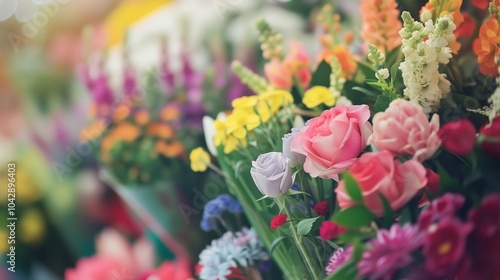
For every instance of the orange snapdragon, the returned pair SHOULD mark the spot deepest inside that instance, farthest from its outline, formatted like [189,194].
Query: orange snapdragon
[486,47]
[330,23]
[344,56]
[381,23]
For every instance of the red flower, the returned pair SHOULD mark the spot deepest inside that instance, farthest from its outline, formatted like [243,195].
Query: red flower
[486,218]
[445,245]
[330,230]
[491,144]
[467,28]
[484,241]
[459,137]
[481,4]
[321,208]
[278,221]
[432,182]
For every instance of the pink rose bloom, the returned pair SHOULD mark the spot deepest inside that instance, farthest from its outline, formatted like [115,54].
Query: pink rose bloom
[278,74]
[333,141]
[96,268]
[381,173]
[115,258]
[404,130]
[171,271]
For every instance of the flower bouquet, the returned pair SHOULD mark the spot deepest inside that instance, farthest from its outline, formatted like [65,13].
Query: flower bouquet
[371,166]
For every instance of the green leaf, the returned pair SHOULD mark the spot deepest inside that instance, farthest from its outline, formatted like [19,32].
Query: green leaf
[366,69]
[294,192]
[354,217]
[352,187]
[405,216]
[388,213]
[379,85]
[322,75]
[305,226]
[365,91]
[382,103]
[275,243]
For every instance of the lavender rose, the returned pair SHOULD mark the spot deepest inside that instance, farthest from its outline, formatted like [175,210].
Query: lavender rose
[271,174]
[293,158]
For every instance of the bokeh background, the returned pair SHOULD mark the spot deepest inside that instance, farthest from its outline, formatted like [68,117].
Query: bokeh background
[63,205]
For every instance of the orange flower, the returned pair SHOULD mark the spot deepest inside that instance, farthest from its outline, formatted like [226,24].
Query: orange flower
[344,56]
[120,113]
[486,47]
[107,143]
[172,149]
[142,117]
[161,130]
[170,113]
[126,132]
[381,23]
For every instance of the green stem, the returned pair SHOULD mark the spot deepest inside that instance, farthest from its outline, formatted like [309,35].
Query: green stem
[300,246]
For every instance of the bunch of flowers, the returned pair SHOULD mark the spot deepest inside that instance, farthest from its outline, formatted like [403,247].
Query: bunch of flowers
[142,135]
[373,159]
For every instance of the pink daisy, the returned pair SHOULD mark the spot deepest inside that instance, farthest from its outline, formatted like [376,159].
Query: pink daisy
[389,251]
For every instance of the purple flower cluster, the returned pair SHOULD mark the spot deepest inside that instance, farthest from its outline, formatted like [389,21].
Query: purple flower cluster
[216,207]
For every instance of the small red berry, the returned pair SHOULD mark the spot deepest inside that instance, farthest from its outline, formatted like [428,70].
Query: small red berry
[278,221]
[330,230]
[321,208]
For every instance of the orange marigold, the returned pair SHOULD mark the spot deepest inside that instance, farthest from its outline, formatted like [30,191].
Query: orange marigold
[161,130]
[381,23]
[344,56]
[486,47]
[120,113]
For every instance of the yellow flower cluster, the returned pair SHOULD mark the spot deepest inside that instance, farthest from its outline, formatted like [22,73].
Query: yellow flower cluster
[199,159]
[249,112]
[318,95]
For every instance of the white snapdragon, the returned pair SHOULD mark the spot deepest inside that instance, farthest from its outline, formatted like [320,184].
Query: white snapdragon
[424,84]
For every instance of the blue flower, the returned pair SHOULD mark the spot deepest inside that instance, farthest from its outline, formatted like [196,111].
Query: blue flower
[214,208]
[206,225]
[295,186]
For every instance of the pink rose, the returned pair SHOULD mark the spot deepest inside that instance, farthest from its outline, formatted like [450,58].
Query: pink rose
[333,141]
[96,268]
[381,173]
[404,130]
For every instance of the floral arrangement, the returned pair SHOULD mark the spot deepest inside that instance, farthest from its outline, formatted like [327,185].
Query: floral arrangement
[142,136]
[381,163]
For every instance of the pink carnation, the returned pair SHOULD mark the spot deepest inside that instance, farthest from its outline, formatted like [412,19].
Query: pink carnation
[404,130]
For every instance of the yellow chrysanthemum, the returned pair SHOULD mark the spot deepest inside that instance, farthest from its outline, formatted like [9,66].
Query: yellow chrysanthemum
[318,95]
[199,159]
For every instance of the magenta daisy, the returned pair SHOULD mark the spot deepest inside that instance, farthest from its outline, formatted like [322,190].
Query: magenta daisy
[389,251]
[339,257]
